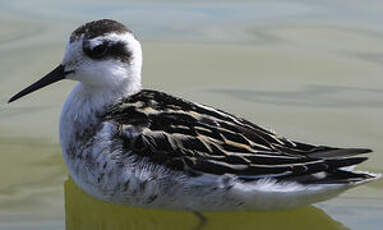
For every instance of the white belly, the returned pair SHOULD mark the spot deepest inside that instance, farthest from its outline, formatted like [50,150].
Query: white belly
[141,185]
[109,174]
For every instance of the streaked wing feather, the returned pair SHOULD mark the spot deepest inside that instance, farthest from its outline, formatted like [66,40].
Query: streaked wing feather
[187,136]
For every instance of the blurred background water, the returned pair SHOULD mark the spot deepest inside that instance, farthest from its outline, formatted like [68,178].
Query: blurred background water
[311,70]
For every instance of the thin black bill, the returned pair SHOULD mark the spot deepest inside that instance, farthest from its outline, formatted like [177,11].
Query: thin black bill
[55,75]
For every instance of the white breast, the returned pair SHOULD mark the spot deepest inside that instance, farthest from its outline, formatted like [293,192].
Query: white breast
[78,121]
[100,170]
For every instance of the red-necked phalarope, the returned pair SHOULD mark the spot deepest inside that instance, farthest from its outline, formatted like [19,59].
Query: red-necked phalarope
[146,148]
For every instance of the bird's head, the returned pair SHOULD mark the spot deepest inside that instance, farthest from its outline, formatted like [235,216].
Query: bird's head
[101,54]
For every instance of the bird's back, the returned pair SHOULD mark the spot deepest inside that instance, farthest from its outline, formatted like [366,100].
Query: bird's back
[152,149]
[194,138]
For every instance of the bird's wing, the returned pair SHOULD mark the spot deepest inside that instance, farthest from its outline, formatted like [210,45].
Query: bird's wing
[183,135]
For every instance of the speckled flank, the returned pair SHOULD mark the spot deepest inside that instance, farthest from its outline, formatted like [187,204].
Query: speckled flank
[138,152]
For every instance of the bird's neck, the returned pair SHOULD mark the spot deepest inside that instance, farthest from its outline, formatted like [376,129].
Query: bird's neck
[98,97]
[86,98]
[84,107]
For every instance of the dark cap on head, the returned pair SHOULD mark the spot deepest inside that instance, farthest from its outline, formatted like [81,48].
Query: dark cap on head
[98,28]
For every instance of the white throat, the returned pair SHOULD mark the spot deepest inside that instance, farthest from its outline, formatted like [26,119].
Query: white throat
[102,81]
[85,97]
[83,106]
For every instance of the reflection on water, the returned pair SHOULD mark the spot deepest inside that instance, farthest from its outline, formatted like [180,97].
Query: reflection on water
[84,212]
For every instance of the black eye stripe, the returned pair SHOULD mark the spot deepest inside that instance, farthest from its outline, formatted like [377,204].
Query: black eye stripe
[120,51]
[116,50]
[100,50]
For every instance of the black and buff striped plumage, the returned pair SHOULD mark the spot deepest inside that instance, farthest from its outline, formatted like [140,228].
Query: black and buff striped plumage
[183,135]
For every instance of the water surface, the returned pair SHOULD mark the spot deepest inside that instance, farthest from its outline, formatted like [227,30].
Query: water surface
[309,70]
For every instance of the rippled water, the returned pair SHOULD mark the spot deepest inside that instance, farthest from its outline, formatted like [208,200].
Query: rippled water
[309,70]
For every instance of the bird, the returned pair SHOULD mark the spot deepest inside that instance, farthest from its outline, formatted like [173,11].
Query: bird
[146,148]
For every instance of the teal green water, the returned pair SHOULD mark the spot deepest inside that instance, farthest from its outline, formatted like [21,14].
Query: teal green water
[309,70]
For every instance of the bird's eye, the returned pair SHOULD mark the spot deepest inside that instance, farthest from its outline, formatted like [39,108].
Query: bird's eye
[100,50]
[97,51]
